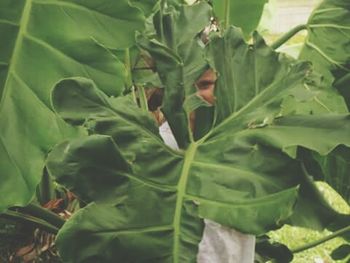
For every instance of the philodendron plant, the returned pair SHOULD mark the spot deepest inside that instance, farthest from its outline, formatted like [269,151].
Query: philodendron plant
[246,165]
[249,161]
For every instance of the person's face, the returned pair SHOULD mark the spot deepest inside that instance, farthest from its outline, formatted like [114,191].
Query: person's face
[205,86]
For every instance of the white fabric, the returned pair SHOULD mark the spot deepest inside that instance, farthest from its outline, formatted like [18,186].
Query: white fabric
[219,244]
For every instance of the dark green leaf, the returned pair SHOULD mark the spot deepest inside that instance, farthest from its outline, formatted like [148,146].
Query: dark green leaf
[42,42]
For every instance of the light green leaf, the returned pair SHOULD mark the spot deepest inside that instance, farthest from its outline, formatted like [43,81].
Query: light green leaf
[245,173]
[41,43]
[244,14]
[328,42]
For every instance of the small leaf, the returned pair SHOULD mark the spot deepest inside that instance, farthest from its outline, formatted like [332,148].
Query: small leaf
[269,250]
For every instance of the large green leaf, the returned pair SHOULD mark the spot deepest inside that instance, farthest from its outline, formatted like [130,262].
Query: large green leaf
[327,46]
[42,42]
[244,14]
[148,201]
[328,41]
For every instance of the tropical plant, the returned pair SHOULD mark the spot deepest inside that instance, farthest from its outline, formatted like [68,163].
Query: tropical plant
[250,163]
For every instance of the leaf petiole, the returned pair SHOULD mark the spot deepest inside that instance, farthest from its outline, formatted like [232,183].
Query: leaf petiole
[291,33]
[19,217]
[321,240]
[41,213]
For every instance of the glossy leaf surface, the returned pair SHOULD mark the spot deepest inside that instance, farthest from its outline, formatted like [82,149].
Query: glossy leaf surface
[42,42]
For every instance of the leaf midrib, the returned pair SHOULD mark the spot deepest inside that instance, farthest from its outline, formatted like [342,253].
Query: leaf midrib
[188,159]
[22,28]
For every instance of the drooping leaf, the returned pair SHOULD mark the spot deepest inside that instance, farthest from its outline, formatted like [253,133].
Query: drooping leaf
[243,174]
[42,42]
[244,14]
[328,41]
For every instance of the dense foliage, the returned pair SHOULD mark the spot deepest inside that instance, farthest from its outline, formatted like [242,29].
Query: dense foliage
[278,124]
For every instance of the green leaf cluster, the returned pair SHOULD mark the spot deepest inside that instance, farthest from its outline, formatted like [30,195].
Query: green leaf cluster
[250,163]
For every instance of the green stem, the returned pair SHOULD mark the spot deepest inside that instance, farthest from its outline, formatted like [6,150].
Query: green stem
[129,83]
[45,189]
[227,14]
[127,63]
[44,214]
[161,12]
[19,217]
[143,98]
[321,240]
[133,92]
[283,39]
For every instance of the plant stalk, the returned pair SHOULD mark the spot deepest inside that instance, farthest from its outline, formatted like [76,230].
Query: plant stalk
[16,216]
[321,240]
[143,98]
[127,62]
[43,214]
[283,39]
[162,8]
[45,189]
[227,14]
[129,83]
